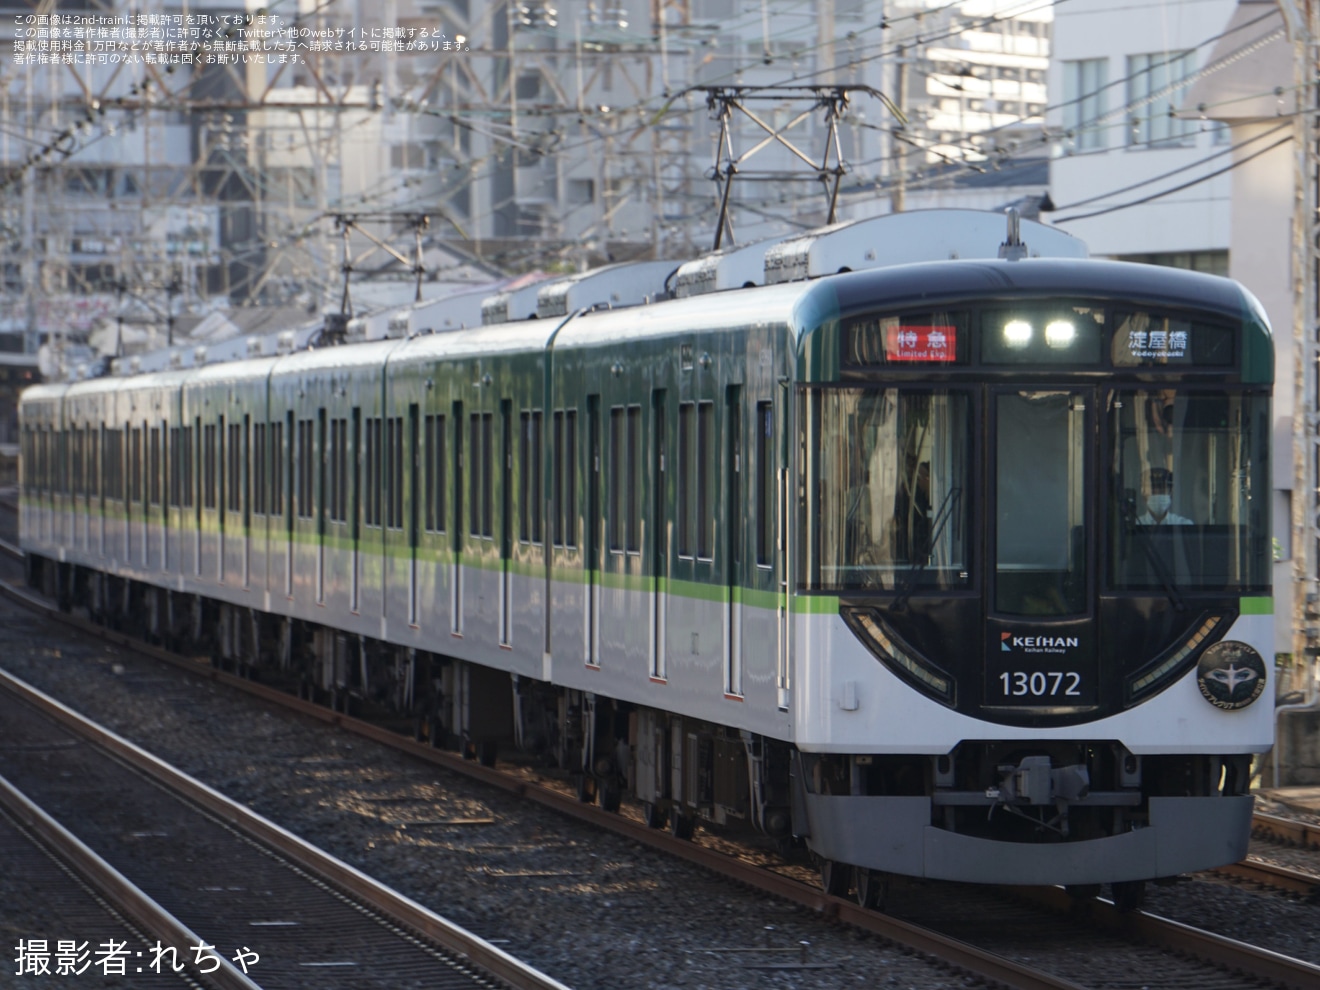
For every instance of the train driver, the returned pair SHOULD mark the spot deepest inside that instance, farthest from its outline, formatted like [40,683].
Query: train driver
[1159,500]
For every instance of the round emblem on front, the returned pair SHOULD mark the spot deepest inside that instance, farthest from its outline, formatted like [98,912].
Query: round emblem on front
[1231,675]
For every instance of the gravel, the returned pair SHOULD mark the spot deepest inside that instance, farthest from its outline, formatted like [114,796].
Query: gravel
[590,908]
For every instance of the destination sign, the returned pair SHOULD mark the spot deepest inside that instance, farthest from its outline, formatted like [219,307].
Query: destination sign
[921,343]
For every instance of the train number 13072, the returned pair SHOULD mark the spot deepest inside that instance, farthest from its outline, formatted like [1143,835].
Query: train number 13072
[1041,683]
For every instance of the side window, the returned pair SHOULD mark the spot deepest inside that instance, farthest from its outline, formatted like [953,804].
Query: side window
[305,462]
[433,455]
[614,480]
[257,470]
[176,491]
[481,475]
[632,490]
[458,475]
[208,466]
[93,462]
[235,467]
[705,480]
[530,484]
[154,466]
[564,457]
[687,424]
[765,484]
[396,475]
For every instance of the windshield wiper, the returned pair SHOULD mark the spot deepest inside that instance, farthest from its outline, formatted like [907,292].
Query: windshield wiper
[1130,523]
[914,570]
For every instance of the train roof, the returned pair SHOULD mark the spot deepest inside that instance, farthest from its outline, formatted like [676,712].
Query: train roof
[495,339]
[339,358]
[777,305]
[904,286]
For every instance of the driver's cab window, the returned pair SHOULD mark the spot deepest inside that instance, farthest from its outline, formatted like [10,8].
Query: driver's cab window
[1190,489]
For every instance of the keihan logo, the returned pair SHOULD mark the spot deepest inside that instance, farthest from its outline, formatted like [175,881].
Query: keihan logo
[1010,643]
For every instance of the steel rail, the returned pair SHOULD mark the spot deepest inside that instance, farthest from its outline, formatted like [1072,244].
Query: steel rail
[1269,875]
[985,965]
[395,905]
[126,897]
[1278,829]
[1218,950]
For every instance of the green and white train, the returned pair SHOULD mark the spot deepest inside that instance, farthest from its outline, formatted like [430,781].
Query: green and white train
[958,568]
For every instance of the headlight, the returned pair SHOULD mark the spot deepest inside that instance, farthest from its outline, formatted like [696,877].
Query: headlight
[1017,334]
[1060,334]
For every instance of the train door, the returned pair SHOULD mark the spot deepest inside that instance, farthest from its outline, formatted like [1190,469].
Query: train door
[659,533]
[759,593]
[321,493]
[593,527]
[221,498]
[285,453]
[234,523]
[734,516]
[245,466]
[155,514]
[414,500]
[506,521]
[133,542]
[355,579]
[456,573]
[783,561]
[1040,645]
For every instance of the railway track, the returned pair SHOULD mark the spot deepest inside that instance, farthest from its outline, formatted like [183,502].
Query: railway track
[41,895]
[1263,967]
[250,904]
[1280,878]
[1304,835]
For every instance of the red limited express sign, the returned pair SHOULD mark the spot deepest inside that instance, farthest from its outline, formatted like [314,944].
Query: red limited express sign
[913,343]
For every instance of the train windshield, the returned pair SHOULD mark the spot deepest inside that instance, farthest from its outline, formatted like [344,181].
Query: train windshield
[887,506]
[1191,492]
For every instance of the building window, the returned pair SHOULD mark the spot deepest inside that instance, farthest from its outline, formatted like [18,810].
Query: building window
[1084,103]
[1157,85]
[1210,262]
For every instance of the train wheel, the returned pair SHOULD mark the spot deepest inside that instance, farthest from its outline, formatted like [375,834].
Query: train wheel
[871,888]
[653,815]
[486,753]
[611,797]
[681,826]
[586,788]
[835,877]
[1129,895]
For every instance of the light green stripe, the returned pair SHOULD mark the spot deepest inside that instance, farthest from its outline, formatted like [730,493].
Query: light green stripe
[1256,606]
[815,604]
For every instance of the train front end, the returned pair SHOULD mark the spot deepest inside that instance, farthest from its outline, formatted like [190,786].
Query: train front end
[1033,627]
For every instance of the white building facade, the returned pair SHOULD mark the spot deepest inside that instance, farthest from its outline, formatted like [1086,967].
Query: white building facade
[1172,147]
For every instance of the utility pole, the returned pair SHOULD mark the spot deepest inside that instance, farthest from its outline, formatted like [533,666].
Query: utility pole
[1303,20]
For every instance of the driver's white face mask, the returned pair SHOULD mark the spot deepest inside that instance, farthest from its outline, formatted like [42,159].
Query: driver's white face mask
[1159,504]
